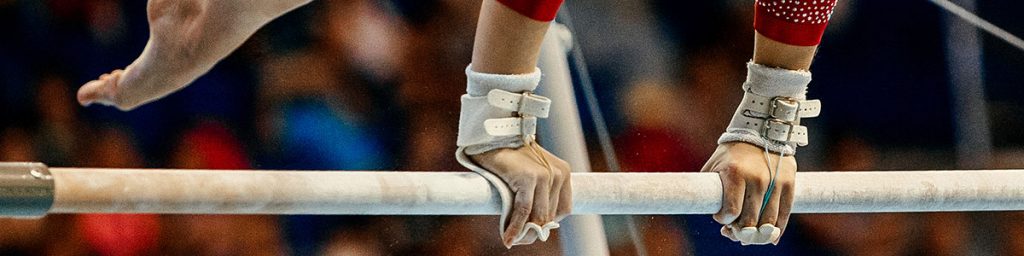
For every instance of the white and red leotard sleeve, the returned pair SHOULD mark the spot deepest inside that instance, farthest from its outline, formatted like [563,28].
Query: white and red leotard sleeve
[794,22]
[540,10]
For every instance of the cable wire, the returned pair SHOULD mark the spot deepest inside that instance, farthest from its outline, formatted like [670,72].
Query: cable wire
[978,22]
[600,126]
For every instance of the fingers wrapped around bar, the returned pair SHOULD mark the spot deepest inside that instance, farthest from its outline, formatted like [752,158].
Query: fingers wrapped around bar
[497,128]
[745,214]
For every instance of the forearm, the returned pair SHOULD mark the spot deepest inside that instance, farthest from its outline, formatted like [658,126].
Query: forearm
[787,33]
[498,120]
[506,42]
[773,53]
[769,116]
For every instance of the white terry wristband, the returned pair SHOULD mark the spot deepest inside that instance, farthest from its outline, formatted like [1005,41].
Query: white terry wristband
[774,101]
[499,111]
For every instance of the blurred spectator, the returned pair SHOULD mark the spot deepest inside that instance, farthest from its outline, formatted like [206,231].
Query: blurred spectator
[1005,238]
[320,111]
[886,233]
[433,72]
[210,145]
[59,124]
[654,140]
[847,234]
[19,236]
[117,234]
[317,109]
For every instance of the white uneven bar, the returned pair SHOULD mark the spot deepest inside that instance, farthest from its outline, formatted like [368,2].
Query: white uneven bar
[89,190]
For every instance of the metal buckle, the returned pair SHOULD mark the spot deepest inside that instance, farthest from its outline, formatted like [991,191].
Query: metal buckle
[522,100]
[775,106]
[767,126]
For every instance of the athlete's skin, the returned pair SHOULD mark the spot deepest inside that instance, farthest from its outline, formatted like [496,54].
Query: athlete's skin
[188,37]
[742,166]
[509,43]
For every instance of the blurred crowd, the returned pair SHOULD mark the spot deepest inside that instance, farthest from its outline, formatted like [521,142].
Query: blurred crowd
[373,85]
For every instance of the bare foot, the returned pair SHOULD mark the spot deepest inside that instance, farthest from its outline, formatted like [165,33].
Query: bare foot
[186,39]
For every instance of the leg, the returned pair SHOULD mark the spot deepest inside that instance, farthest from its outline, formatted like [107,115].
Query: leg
[187,38]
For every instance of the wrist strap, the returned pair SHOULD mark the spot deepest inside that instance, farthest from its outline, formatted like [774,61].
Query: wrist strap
[499,115]
[775,118]
[500,111]
[773,105]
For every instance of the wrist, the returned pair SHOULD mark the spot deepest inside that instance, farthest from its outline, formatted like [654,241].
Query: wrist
[500,111]
[772,107]
[756,140]
[511,142]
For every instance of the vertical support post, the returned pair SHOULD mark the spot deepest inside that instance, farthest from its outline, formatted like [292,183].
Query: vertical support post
[563,135]
[970,113]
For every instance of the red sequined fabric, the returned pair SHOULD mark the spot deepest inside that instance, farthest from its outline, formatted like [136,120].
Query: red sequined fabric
[794,22]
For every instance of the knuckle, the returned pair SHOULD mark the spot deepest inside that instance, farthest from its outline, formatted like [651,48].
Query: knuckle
[523,202]
[731,210]
[542,175]
[520,184]
[522,209]
[557,177]
[786,185]
[566,176]
[731,168]
[545,218]
[762,182]
[757,182]
[531,175]
[562,164]
[749,219]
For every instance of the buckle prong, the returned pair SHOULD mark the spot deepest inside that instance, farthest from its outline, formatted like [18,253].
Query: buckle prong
[768,126]
[775,107]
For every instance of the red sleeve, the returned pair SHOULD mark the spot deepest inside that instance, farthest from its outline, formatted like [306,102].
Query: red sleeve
[794,22]
[540,10]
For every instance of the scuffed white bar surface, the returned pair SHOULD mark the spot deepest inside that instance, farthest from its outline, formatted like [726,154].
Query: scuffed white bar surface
[88,190]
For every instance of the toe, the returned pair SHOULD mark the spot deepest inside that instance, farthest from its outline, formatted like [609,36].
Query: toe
[91,92]
[100,90]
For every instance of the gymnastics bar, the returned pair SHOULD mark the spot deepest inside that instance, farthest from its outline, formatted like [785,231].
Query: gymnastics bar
[24,192]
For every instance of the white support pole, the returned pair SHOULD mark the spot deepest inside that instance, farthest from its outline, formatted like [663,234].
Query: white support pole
[563,135]
[95,190]
[970,111]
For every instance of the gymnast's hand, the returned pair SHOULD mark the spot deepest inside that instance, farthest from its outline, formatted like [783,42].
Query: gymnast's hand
[745,180]
[543,195]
